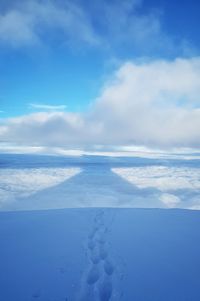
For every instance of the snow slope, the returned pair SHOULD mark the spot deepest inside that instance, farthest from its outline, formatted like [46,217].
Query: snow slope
[100,255]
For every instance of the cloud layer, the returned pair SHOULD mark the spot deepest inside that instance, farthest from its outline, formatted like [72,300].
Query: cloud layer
[16,183]
[142,186]
[153,103]
[178,186]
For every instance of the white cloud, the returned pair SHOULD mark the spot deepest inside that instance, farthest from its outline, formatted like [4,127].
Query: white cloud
[44,129]
[26,189]
[18,183]
[3,130]
[162,178]
[155,104]
[177,187]
[195,207]
[170,200]
[46,107]
[17,28]
[123,22]
[26,22]
[109,24]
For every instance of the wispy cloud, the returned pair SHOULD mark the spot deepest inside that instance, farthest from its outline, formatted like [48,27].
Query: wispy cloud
[46,107]
[26,23]
[107,24]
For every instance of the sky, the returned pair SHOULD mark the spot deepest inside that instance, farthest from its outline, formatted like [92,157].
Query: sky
[100,74]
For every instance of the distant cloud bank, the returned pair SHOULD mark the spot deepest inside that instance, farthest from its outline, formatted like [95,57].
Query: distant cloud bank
[155,104]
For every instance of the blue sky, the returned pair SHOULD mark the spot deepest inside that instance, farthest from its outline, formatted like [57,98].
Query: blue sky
[58,78]
[60,56]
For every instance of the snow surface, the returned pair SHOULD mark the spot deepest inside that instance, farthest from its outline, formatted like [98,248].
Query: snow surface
[100,255]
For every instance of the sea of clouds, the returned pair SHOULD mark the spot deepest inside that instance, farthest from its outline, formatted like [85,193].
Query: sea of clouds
[100,182]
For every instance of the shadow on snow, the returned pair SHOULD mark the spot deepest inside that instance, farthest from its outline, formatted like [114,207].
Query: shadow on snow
[92,187]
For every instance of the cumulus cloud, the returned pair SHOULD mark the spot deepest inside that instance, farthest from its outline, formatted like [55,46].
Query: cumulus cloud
[155,104]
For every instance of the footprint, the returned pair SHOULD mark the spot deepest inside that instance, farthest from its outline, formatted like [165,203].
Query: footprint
[36,295]
[101,238]
[97,283]
[100,213]
[102,253]
[92,234]
[91,244]
[99,222]
[62,270]
[105,290]
[93,275]
[108,268]
[95,257]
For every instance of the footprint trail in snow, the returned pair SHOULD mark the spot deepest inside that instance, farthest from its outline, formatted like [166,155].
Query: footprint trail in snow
[99,282]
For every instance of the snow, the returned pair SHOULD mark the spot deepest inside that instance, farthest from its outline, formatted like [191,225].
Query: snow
[100,255]
[90,251]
